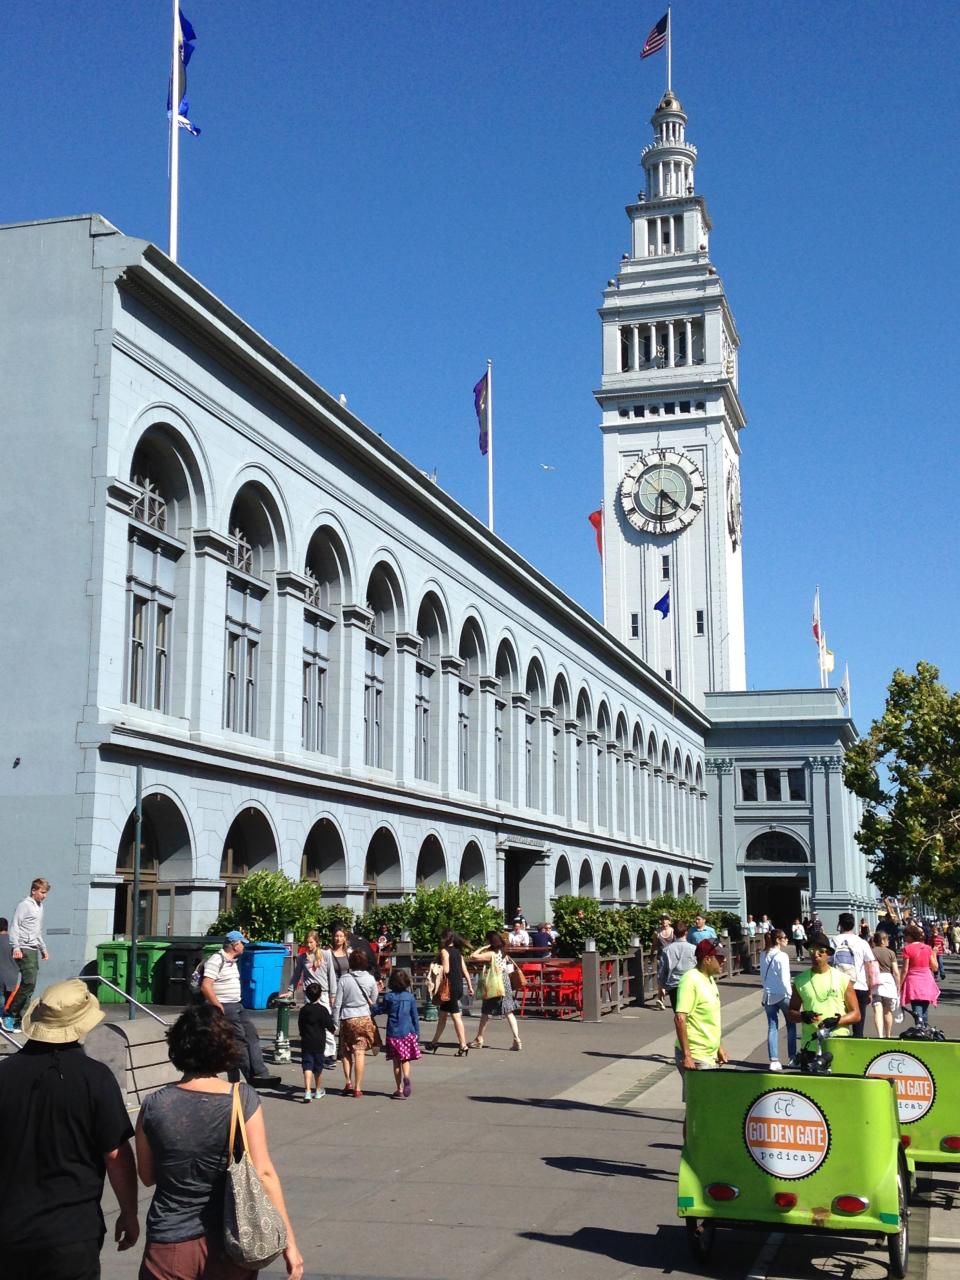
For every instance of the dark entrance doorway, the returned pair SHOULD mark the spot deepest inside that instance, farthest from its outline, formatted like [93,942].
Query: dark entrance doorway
[776,896]
[524,883]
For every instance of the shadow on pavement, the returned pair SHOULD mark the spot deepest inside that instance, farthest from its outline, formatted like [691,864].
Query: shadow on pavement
[554,1104]
[608,1168]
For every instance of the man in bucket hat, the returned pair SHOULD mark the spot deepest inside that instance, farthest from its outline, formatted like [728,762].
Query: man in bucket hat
[65,1126]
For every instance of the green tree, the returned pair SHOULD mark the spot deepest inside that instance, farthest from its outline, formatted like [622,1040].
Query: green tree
[907,771]
[462,907]
[267,904]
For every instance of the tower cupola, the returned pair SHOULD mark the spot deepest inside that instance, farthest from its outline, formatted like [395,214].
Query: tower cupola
[669,160]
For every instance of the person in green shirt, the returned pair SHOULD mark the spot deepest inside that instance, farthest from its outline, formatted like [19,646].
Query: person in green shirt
[699,1046]
[822,991]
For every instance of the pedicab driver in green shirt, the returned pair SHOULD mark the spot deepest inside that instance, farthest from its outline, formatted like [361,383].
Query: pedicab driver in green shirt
[697,1013]
[821,992]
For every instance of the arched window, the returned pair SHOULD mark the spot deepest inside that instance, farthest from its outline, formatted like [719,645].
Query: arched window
[606,883]
[582,789]
[468,707]
[432,630]
[585,884]
[327,573]
[624,885]
[619,775]
[431,864]
[637,782]
[558,755]
[472,870]
[561,879]
[161,517]
[775,846]
[507,673]
[383,601]
[255,530]
[666,805]
[382,872]
[641,886]
[533,739]
[602,767]
[652,807]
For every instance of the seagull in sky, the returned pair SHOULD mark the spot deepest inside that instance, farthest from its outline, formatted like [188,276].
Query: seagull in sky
[545,466]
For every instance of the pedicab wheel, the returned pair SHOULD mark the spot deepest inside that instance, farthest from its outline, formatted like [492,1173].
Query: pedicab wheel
[700,1234]
[898,1246]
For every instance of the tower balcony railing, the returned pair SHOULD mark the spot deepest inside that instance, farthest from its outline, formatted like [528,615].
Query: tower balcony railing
[660,145]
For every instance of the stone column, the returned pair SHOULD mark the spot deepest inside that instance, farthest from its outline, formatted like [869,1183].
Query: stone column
[592,814]
[688,327]
[449,709]
[570,767]
[210,554]
[670,345]
[488,692]
[682,840]
[543,725]
[659,828]
[634,347]
[517,711]
[288,663]
[357,622]
[641,813]
[629,796]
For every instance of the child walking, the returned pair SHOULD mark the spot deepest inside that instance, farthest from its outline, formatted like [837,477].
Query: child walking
[315,1021]
[403,1029]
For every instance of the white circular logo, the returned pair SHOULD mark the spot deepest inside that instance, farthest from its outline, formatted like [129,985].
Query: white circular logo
[787,1134]
[916,1090]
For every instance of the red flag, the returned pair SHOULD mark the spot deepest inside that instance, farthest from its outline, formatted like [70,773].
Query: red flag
[596,519]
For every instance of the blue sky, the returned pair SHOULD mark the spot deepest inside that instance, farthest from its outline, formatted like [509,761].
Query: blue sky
[392,193]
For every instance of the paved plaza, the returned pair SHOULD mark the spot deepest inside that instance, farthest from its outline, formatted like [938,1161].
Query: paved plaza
[559,1161]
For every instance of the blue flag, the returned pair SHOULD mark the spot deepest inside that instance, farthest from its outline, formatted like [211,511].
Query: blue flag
[663,604]
[188,38]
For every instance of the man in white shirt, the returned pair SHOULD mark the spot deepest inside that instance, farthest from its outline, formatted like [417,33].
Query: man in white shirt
[519,937]
[27,945]
[851,955]
[221,988]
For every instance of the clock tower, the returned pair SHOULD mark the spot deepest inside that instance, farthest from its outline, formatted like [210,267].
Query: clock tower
[673,578]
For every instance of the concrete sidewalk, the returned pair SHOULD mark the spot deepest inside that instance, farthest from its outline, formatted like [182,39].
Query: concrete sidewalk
[560,1160]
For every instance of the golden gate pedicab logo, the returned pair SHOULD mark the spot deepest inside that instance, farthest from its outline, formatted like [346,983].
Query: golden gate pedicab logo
[916,1090]
[787,1134]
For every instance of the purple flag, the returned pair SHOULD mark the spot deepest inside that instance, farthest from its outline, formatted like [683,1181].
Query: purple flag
[480,402]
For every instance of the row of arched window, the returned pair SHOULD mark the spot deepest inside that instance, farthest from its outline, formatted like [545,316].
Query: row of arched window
[438,706]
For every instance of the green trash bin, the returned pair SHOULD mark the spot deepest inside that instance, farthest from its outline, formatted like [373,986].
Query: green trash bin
[113,959]
[149,973]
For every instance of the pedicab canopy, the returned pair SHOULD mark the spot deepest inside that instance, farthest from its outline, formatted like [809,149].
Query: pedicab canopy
[926,1075]
[812,1152]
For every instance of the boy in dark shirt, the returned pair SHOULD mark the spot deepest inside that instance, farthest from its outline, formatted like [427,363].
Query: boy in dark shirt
[315,1021]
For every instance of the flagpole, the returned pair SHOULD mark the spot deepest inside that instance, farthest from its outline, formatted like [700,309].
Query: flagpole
[820,642]
[669,49]
[174,131]
[490,445]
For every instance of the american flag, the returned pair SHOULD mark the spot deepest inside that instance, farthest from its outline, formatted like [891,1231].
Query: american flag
[657,38]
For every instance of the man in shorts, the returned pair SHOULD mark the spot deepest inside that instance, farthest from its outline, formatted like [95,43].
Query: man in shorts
[699,1046]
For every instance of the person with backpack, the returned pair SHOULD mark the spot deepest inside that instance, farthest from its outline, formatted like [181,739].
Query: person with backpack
[851,955]
[220,986]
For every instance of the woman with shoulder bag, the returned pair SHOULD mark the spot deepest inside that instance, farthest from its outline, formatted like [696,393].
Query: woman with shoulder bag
[182,1150]
[356,995]
[315,966]
[498,1001]
[455,978]
[775,976]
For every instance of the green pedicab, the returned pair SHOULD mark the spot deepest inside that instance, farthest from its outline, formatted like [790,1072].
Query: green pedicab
[793,1152]
[925,1075]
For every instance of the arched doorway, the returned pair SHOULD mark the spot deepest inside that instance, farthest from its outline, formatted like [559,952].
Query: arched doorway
[641,886]
[585,885]
[166,858]
[324,859]
[561,880]
[249,847]
[606,883]
[431,864]
[777,874]
[382,872]
[472,870]
[625,895]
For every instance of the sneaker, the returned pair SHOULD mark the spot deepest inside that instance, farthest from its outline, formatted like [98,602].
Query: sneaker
[407,1088]
[775,1064]
[7,1022]
[307,1096]
[319,1093]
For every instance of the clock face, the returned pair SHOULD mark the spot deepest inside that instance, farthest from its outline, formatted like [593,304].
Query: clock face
[662,492]
[734,509]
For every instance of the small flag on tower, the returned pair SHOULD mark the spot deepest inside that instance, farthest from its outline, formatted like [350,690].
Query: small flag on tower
[481,401]
[188,39]
[663,604]
[657,37]
[596,519]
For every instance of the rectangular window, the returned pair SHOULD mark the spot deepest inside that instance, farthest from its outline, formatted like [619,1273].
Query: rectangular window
[797,782]
[638,410]
[669,407]
[498,778]
[161,634]
[250,686]
[748,784]
[668,675]
[314,695]
[771,784]
[634,626]
[625,340]
[684,406]
[232,680]
[701,623]
[138,607]
[463,737]
[665,568]
[421,744]
[528,760]
[373,709]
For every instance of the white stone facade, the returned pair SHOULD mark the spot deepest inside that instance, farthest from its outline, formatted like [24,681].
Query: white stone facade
[319,661]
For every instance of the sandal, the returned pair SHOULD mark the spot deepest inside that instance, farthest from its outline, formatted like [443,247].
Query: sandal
[347,1091]
[463,1051]
[398,1093]
[430,1047]
[477,1043]
[516,1046]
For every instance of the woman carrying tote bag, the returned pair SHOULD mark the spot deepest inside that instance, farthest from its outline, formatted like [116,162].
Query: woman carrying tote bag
[498,1001]
[182,1139]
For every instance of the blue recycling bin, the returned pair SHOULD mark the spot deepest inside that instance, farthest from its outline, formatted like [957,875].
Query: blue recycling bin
[261,972]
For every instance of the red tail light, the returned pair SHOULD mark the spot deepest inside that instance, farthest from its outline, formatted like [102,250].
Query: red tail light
[950,1144]
[785,1200]
[905,1139]
[850,1204]
[722,1191]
